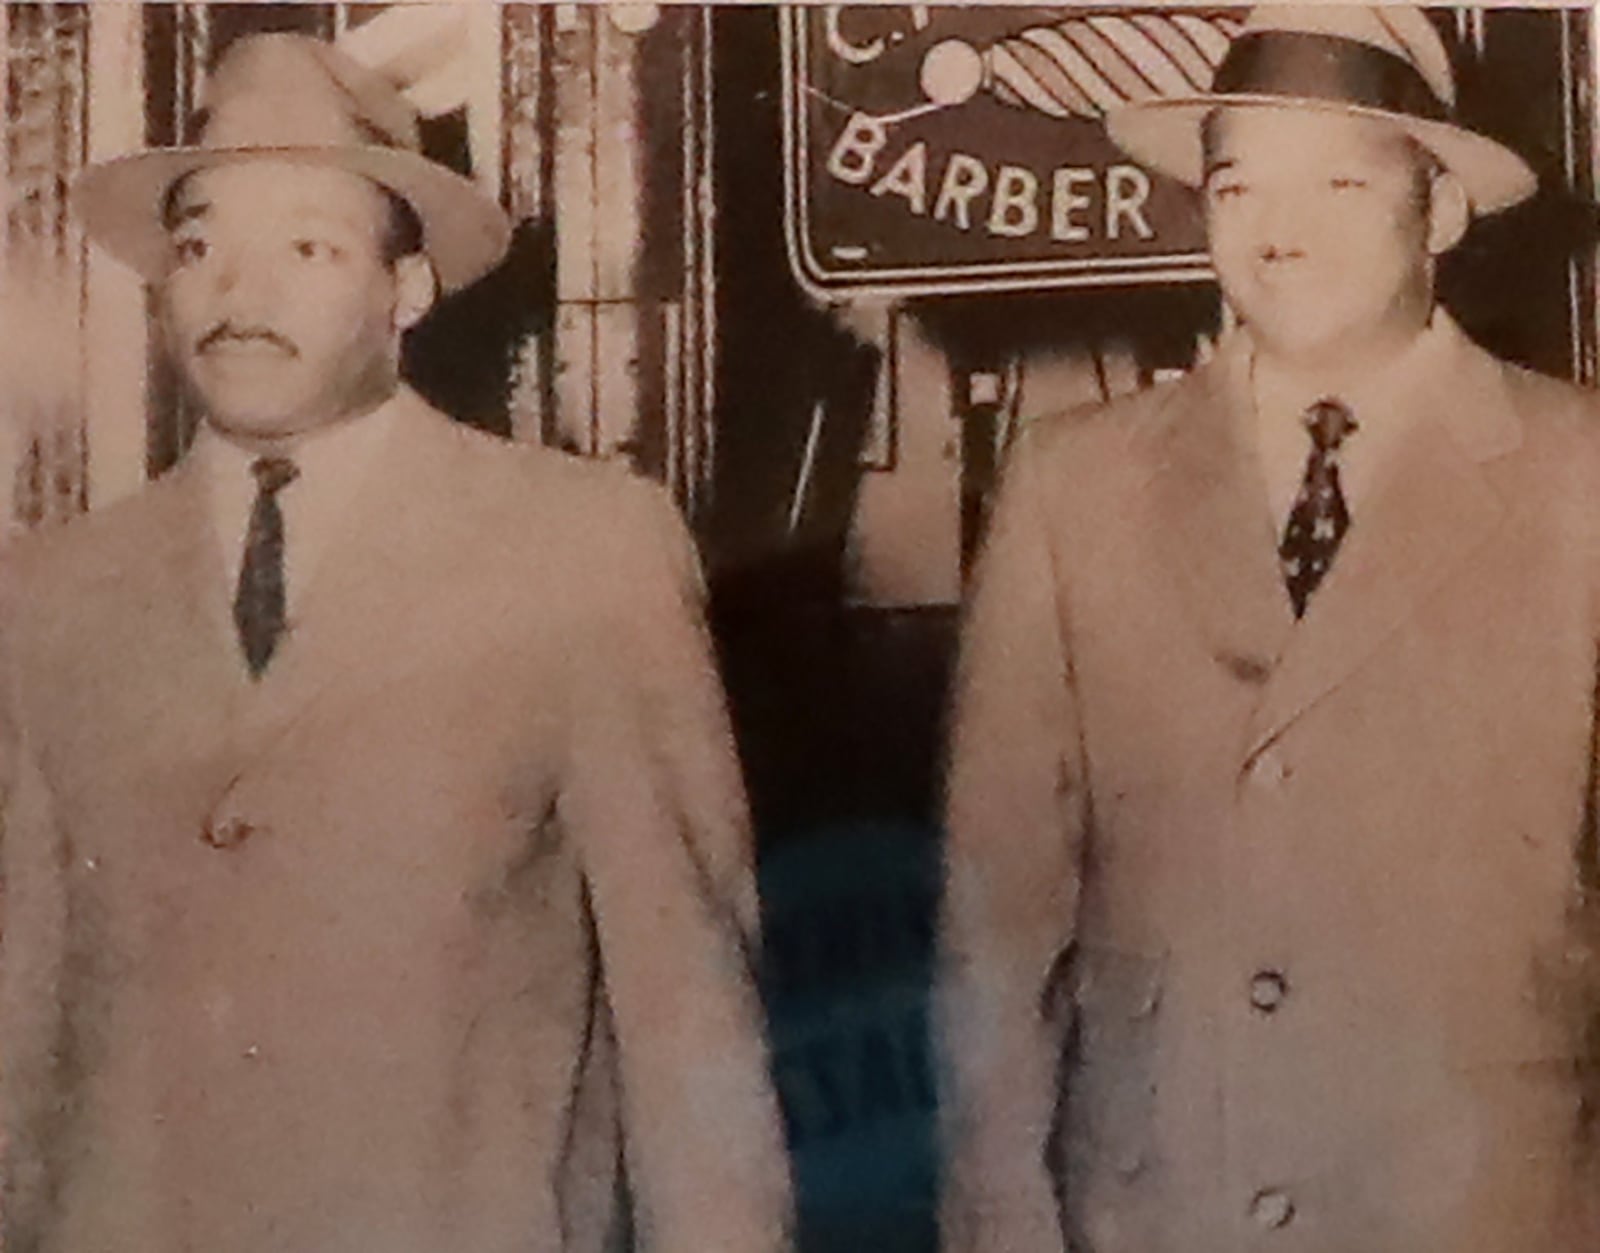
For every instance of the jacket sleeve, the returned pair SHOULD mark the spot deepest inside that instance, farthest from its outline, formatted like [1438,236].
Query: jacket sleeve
[654,801]
[32,933]
[1016,817]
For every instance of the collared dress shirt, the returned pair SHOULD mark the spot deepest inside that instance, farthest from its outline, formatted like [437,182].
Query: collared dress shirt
[333,464]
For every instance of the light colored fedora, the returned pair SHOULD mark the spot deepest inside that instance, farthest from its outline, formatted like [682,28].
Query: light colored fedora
[1382,61]
[287,97]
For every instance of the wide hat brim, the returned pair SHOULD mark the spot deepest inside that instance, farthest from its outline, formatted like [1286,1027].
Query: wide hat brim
[122,201]
[1165,135]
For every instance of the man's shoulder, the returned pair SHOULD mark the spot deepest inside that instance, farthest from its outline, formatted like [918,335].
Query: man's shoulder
[597,516]
[1559,421]
[1124,431]
[565,488]
[1549,461]
[1555,402]
[99,548]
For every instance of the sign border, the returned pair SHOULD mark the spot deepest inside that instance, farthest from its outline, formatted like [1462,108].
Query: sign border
[906,281]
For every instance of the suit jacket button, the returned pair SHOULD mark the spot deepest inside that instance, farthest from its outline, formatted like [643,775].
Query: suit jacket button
[228,832]
[1271,1209]
[1268,990]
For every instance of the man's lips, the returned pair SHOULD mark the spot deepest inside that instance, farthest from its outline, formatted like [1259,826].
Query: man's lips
[247,342]
[1286,271]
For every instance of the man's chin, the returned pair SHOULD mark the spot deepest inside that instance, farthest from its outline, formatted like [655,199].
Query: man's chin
[252,425]
[1293,338]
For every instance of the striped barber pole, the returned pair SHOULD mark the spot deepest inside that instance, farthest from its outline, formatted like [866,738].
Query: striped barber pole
[1084,67]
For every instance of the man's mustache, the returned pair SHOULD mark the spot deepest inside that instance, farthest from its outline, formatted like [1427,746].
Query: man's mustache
[229,332]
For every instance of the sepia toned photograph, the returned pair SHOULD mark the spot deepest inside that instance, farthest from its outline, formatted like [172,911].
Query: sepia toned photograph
[735,628]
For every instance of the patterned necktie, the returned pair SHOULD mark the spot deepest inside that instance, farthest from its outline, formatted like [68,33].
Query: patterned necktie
[259,606]
[1319,519]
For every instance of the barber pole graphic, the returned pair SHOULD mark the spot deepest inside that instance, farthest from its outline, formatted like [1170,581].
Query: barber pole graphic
[1084,67]
[966,150]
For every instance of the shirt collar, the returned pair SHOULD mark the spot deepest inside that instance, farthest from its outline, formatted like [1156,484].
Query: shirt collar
[1374,397]
[331,450]
[333,465]
[1383,402]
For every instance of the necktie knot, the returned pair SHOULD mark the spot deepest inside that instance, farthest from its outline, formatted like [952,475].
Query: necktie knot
[1330,423]
[273,474]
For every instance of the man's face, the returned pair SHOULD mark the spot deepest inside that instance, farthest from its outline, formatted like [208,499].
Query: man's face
[1322,231]
[279,304]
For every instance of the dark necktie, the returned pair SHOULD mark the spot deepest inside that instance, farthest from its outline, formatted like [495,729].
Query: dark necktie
[1319,518]
[260,605]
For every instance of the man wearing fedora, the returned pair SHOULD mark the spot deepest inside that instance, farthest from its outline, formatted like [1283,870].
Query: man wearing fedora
[1271,861]
[376,873]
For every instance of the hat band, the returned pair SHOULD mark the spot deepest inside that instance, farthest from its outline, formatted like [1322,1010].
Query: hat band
[1301,65]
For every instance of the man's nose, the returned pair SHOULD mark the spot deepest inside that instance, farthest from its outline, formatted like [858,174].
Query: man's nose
[1278,229]
[243,282]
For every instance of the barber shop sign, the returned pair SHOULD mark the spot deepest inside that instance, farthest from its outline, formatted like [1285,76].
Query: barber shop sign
[933,149]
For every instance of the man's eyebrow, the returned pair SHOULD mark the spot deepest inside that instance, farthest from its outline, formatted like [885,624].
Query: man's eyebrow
[1221,163]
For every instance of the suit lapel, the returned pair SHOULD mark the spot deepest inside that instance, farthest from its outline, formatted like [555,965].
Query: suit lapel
[184,609]
[152,632]
[1432,509]
[1212,522]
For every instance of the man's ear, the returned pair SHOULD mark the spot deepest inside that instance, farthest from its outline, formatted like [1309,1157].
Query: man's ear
[416,289]
[1449,213]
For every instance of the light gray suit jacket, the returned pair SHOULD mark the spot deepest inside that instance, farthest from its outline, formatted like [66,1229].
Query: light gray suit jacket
[1162,787]
[486,950]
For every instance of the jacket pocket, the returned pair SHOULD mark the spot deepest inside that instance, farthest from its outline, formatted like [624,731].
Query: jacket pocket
[1105,1148]
[1109,1075]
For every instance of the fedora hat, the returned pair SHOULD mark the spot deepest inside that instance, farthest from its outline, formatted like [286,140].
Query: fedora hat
[292,98]
[1381,61]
